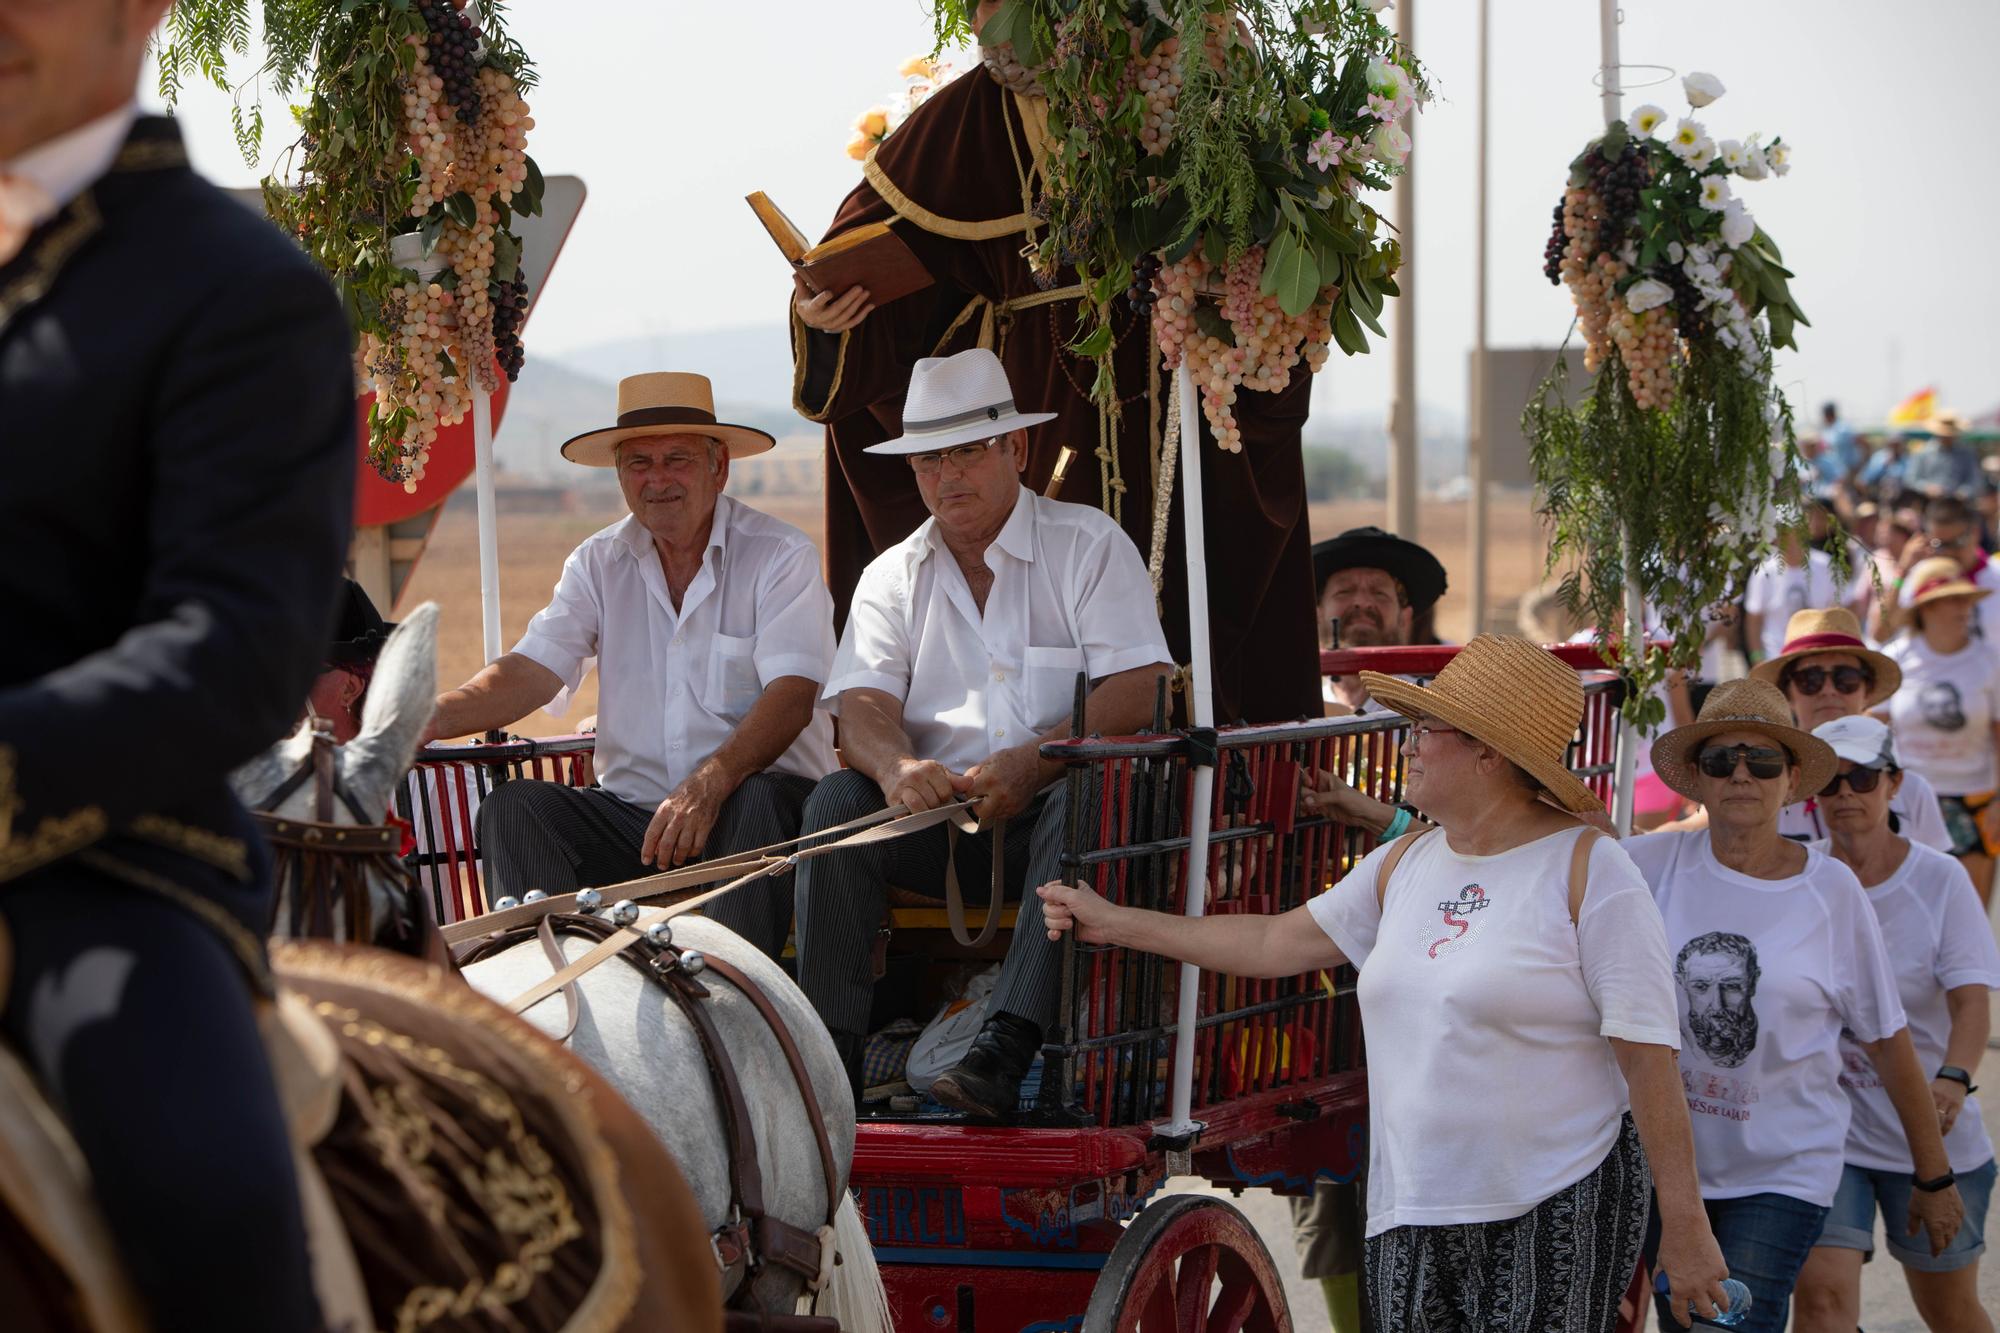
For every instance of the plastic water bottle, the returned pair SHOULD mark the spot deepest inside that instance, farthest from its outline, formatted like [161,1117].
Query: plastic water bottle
[1739,1303]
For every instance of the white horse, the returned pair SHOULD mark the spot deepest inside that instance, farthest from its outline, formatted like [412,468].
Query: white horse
[627,1028]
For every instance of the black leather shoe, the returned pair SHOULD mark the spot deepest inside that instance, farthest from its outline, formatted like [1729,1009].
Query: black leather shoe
[987,1082]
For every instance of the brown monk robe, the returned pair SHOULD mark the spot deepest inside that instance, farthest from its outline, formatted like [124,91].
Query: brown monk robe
[959,177]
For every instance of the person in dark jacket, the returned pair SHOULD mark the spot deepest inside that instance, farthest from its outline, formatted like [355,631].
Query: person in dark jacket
[177,442]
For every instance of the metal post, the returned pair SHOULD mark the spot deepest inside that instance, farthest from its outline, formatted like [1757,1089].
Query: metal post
[1476,443]
[1622,796]
[489,521]
[1201,710]
[1403,408]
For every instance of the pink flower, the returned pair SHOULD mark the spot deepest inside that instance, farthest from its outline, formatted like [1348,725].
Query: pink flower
[1325,151]
[1382,108]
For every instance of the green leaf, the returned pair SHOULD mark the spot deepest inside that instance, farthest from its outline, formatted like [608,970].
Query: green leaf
[506,255]
[1094,344]
[460,209]
[1616,136]
[533,187]
[1210,321]
[1347,330]
[1298,278]
[1781,327]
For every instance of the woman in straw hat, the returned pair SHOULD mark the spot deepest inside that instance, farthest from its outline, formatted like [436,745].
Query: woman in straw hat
[1947,715]
[1775,951]
[1513,962]
[1946,967]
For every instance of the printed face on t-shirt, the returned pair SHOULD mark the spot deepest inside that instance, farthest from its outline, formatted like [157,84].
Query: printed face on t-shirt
[1718,974]
[1942,707]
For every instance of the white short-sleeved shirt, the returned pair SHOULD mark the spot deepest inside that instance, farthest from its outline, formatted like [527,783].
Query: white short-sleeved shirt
[1493,1087]
[1767,973]
[674,685]
[1938,938]
[1915,807]
[1943,715]
[1777,590]
[1069,594]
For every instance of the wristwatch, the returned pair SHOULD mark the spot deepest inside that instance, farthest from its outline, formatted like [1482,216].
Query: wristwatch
[1943,1182]
[1956,1075]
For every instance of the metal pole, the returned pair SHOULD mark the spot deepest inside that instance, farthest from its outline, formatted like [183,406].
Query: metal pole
[1476,442]
[489,521]
[1201,710]
[1403,408]
[1622,796]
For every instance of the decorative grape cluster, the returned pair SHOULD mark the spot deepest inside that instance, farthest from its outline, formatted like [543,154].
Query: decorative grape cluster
[1158,79]
[1263,343]
[453,52]
[1646,341]
[510,307]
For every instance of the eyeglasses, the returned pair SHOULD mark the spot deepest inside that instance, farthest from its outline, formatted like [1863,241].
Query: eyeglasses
[961,458]
[1719,761]
[1424,730]
[1846,679]
[1861,779]
[1950,543]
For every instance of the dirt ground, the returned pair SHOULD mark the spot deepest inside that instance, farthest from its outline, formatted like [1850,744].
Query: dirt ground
[533,546]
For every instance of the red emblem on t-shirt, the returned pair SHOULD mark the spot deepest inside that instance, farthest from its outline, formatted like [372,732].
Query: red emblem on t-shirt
[1456,913]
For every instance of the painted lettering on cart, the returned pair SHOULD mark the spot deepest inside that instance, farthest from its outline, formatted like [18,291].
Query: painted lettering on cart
[900,1214]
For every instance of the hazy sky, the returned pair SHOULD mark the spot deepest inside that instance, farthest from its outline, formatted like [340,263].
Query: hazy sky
[671,112]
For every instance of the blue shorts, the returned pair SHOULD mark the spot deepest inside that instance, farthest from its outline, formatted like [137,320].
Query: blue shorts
[1850,1225]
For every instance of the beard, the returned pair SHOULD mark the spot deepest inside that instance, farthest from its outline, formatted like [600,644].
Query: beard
[1007,70]
[1363,628]
[1724,1036]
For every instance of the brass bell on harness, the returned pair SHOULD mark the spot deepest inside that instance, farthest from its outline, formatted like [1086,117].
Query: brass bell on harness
[624,912]
[660,934]
[588,901]
[534,895]
[505,902]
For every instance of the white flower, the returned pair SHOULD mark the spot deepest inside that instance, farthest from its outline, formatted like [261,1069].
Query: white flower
[1779,156]
[1698,254]
[1737,224]
[1390,144]
[1628,254]
[1702,88]
[1644,120]
[1734,155]
[1388,79]
[1715,193]
[1686,135]
[1676,251]
[1646,293]
[1377,6]
[1703,153]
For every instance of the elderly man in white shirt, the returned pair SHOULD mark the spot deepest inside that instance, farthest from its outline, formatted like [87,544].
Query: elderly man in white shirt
[960,657]
[712,631]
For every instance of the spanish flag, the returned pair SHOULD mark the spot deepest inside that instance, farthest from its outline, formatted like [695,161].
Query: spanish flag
[1918,408]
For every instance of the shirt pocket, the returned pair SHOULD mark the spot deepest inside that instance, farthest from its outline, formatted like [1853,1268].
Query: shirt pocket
[1051,683]
[732,675]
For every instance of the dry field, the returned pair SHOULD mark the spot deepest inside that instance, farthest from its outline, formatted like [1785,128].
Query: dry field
[533,546]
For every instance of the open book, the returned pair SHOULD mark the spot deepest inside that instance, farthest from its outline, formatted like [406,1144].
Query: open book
[870,256]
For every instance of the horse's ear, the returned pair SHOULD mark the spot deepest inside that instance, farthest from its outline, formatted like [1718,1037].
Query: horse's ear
[402,695]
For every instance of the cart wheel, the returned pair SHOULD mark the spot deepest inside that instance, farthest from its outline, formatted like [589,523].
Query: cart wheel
[1188,1264]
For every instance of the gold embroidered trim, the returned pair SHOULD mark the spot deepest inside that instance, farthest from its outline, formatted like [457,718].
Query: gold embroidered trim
[219,850]
[911,211]
[616,1286]
[151,155]
[800,335]
[55,836]
[249,950]
[49,254]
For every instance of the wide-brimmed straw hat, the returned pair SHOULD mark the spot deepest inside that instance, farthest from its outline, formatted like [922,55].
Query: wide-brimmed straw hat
[664,402]
[1934,579]
[956,400]
[1945,426]
[1504,691]
[1409,564]
[1833,630]
[1749,705]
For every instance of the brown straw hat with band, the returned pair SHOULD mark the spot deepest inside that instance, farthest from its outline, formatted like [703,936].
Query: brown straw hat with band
[1507,693]
[1748,705]
[1936,578]
[1834,630]
[665,402]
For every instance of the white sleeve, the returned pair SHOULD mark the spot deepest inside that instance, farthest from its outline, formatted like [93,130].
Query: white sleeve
[1967,954]
[1757,591]
[1622,943]
[794,619]
[1351,911]
[1116,626]
[875,652]
[1865,993]
[563,636]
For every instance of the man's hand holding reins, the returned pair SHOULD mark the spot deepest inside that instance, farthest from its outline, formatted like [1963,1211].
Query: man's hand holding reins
[921,784]
[679,829]
[1004,782]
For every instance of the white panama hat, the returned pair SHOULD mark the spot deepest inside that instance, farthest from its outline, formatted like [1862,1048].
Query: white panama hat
[956,400]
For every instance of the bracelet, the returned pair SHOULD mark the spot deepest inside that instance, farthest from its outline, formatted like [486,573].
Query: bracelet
[1397,825]
[1943,1182]
[1956,1075]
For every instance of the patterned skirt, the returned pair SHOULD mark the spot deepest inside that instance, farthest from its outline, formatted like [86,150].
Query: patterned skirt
[1559,1268]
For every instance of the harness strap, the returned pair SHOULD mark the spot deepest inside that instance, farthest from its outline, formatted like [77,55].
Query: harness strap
[954,899]
[552,949]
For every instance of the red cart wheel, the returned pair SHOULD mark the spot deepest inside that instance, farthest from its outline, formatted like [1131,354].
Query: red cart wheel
[1188,1264]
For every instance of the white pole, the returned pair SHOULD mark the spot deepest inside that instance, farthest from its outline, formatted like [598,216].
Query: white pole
[489,521]
[1403,406]
[1201,707]
[1476,443]
[1628,736]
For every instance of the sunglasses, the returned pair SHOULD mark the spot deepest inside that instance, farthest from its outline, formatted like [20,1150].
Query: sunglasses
[1846,679]
[1861,779]
[1719,761]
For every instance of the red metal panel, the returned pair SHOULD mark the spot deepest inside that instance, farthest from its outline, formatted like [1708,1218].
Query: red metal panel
[975,1154]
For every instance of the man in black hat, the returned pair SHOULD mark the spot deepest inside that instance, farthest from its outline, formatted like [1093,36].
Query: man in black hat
[178,450]
[342,684]
[1374,587]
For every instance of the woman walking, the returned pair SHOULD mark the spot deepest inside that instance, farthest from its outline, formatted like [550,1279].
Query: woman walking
[1946,963]
[1514,964]
[1947,715]
[1775,950]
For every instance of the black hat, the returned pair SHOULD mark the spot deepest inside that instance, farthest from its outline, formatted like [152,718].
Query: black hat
[1411,565]
[358,629]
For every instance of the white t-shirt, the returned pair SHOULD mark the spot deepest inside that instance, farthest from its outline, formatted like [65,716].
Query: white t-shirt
[1938,938]
[1768,972]
[1944,714]
[1776,590]
[1986,618]
[1493,1086]
[1915,807]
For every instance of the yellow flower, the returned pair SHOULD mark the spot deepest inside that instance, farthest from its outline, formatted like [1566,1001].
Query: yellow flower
[918,67]
[873,122]
[858,146]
